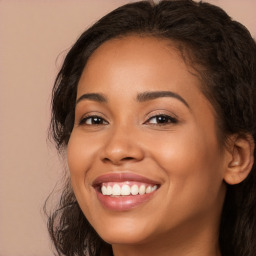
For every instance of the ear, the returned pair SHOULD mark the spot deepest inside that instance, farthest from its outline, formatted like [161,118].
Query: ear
[241,161]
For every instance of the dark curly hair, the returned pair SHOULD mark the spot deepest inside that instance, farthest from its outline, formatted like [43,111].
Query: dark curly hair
[222,52]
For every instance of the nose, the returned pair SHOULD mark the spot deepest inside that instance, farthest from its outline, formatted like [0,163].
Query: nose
[122,145]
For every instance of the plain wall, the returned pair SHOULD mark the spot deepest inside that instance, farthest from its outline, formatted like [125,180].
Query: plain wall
[34,38]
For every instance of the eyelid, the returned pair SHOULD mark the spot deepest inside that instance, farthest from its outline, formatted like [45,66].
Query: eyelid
[161,112]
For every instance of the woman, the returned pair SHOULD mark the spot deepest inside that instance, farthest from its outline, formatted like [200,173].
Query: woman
[155,107]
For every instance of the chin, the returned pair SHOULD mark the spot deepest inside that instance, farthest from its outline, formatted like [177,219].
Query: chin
[124,233]
[124,237]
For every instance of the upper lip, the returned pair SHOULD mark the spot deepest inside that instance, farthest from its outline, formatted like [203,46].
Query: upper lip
[121,177]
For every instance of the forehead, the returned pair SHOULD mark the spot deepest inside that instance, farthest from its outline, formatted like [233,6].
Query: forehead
[137,60]
[146,47]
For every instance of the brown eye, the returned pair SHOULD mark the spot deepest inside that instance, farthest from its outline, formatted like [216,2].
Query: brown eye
[93,120]
[161,120]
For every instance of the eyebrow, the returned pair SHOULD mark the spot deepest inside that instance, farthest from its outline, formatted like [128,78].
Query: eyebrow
[146,96]
[141,97]
[92,96]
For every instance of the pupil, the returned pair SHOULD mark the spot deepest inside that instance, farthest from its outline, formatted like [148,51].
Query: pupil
[162,119]
[96,120]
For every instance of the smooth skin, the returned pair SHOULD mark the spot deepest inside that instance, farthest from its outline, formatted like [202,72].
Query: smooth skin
[170,139]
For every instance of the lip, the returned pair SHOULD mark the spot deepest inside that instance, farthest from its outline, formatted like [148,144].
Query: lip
[123,203]
[121,177]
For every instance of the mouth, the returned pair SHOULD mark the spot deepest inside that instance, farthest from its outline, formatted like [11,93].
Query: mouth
[126,188]
[124,191]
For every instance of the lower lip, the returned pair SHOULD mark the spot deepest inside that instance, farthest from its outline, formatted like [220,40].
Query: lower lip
[123,203]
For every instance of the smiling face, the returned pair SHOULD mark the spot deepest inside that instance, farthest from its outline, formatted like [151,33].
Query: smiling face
[144,129]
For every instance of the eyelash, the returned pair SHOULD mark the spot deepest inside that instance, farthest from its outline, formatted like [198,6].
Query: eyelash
[161,119]
[101,120]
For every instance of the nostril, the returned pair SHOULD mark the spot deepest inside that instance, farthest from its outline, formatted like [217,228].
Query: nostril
[128,158]
[106,159]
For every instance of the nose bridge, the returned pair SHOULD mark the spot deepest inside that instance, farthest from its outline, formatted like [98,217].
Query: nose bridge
[122,145]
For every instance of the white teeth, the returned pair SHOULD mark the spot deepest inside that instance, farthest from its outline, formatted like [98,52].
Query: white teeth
[148,189]
[142,190]
[109,190]
[116,191]
[104,190]
[125,191]
[154,188]
[135,190]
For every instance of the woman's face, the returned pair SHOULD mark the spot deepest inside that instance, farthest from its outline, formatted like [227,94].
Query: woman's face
[145,135]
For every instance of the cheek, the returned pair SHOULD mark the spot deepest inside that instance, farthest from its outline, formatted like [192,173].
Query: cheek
[80,152]
[192,162]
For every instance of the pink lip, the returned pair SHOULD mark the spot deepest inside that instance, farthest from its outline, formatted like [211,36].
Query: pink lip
[121,177]
[122,203]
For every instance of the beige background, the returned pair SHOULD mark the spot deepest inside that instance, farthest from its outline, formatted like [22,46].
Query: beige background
[34,38]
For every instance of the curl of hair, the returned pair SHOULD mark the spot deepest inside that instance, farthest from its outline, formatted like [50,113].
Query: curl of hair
[223,53]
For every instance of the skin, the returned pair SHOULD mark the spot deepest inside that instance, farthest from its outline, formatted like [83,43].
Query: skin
[184,156]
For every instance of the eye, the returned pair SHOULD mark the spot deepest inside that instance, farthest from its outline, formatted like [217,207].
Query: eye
[161,120]
[93,120]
